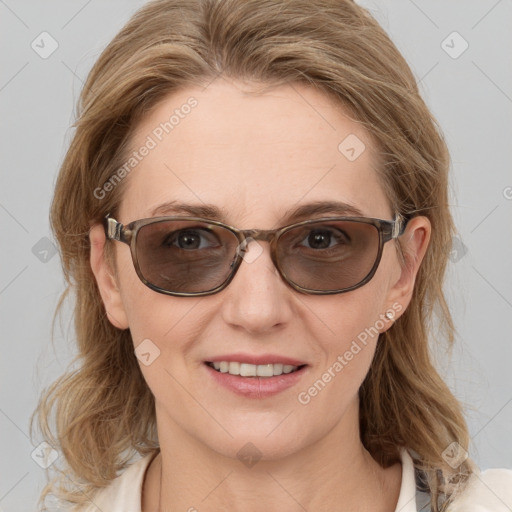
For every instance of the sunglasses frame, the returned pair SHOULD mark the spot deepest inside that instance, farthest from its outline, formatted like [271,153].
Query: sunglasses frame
[387,230]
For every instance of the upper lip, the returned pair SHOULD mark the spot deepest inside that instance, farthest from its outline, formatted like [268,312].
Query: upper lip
[256,359]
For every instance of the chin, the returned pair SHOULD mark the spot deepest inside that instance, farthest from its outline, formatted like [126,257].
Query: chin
[257,447]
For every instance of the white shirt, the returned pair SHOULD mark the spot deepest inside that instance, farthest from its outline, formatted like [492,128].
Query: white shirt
[488,491]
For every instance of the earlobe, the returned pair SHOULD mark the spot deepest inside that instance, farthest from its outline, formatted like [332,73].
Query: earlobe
[414,243]
[107,285]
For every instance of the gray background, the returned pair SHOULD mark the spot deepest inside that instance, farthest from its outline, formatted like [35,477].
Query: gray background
[470,95]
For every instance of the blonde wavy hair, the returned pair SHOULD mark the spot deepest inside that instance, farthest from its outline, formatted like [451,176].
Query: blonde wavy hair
[100,414]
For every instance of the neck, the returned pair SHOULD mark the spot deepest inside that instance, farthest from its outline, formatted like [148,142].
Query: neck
[327,475]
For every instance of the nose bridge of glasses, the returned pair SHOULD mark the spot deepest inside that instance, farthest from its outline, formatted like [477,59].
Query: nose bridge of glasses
[262,235]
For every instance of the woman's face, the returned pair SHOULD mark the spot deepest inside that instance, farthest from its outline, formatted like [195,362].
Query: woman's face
[255,158]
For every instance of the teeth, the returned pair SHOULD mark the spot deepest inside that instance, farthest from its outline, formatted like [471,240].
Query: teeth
[253,370]
[245,370]
[265,370]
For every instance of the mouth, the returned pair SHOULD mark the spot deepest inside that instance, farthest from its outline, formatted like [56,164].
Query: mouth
[253,370]
[262,377]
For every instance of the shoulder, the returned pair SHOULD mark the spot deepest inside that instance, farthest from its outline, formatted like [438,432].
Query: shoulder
[124,493]
[486,491]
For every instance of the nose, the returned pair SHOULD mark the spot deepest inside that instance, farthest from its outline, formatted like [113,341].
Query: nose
[257,300]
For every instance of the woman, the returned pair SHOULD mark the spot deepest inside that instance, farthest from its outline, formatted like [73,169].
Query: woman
[253,215]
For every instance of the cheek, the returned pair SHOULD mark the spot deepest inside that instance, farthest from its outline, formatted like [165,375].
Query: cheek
[160,324]
[356,315]
[171,323]
[164,330]
[354,321]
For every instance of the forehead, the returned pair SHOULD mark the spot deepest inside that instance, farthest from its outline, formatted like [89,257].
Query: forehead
[254,155]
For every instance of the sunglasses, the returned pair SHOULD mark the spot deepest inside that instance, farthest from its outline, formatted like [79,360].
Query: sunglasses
[193,256]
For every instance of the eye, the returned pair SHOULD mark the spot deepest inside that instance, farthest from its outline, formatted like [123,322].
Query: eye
[324,238]
[191,239]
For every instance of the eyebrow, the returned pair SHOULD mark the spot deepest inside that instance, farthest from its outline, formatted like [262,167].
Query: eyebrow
[298,213]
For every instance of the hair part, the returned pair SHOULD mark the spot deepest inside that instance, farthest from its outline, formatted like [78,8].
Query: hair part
[102,413]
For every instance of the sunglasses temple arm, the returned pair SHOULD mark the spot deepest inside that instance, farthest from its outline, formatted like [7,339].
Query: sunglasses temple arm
[399,226]
[114,230]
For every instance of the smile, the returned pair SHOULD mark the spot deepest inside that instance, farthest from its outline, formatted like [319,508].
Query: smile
[252,370]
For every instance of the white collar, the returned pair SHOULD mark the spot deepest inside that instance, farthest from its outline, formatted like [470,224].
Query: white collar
[407,498]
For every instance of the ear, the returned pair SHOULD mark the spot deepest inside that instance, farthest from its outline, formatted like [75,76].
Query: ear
[414,243]
[105,279]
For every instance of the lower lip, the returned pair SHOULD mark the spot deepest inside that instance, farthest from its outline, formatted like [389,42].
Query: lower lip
[257,387]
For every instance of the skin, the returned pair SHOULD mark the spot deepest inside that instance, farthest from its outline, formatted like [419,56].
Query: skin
[258,156]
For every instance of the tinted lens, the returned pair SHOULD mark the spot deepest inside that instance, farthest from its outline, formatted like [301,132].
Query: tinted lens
[329,256]
[185,256]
